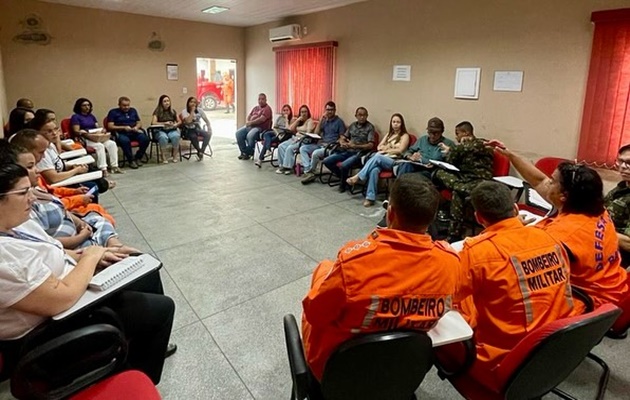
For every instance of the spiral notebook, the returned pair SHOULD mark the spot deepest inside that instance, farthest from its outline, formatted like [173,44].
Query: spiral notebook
[122,273]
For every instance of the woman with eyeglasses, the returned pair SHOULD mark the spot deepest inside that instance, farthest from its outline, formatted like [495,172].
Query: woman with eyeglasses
[40,279]
[582,224]
[280,133]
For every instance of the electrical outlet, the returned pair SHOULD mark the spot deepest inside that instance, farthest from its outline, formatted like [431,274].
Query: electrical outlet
[184,90]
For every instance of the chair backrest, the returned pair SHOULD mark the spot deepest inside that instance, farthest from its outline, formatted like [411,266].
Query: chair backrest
[548,355]
[412,139]
[377,140]
[500,165]
[549,164]
[65,126]
[384,365]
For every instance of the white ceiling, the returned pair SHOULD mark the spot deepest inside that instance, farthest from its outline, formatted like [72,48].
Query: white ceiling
[241,13]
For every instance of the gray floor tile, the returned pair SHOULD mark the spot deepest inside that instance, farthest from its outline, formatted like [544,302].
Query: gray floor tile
[184,224]
[252,338]
[199,370]
[184,314]
[228,269]
[321,232]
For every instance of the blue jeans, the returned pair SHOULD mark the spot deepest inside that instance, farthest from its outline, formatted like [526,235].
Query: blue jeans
[406,168]
[286,153]
[268,139]
[124,140]
[371,169]
[163,137]
[308,154]
[348,160]
[246,138]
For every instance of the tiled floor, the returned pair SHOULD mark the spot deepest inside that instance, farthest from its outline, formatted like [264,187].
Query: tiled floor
[238,244]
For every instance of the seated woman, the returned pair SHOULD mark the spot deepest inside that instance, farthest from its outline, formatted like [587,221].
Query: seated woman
[191,120]
[19,119]
[167,117]
[286,151]
[84,124]
[50,213]
[278,134]
[45,116]
[40,280]
[582,225]
[392,146]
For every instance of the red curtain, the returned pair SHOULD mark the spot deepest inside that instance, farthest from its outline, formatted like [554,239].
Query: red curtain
[305,74]
[606,117]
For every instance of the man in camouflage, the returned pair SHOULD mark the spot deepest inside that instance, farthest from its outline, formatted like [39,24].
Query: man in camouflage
[617,203]
[474,161]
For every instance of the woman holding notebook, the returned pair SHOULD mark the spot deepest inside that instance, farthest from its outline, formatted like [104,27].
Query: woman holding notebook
[84,124]
[40,279]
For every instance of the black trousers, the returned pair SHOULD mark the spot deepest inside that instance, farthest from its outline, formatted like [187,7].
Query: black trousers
[146,316]
[192,135]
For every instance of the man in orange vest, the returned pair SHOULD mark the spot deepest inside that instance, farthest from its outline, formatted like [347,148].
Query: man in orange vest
[515,278]
[396,278]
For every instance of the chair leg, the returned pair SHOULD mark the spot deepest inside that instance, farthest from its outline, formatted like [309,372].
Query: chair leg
[563,395]
[601,387]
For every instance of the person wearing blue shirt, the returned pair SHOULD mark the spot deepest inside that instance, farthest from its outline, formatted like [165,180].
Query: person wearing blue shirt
[124,121]
[428,147]
[330,127]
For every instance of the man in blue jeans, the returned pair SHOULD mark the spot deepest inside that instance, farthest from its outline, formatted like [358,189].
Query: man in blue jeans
[124,121]
[330,128]
[358,138]
[259,120]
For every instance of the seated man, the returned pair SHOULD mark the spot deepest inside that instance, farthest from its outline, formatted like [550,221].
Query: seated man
[617,203]
[399,265]
[124,122]
[258,121]
[428,147]
[474,161]
[517,277]
[330,128]
[358,139]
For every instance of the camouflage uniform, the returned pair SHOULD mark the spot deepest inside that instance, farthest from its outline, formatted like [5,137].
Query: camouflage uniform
[617,202]
[474,161]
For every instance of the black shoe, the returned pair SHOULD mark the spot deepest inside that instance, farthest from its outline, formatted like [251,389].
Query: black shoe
[170,350]
[133,165]
[342,188]
[246,157]
[617,336]
[241,156]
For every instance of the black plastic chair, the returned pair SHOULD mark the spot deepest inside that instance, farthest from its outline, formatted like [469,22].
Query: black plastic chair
[378,366]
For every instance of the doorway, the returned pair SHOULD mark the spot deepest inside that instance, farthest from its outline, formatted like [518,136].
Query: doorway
[216,93]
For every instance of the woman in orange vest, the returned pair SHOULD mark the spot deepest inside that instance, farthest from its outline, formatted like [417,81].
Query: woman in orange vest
[582,225]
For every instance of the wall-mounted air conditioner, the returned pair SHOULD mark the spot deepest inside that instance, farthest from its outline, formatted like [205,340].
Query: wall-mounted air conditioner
[285,33]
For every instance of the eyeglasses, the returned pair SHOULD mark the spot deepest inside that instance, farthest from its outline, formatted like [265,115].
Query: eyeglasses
[623,163]
[20,192]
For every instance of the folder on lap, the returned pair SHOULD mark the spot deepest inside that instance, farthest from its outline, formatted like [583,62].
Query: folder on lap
[66,155]
[81,160]
[90,176]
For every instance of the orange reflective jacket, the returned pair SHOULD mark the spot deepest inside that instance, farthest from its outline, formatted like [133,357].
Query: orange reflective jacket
[516,279]
[595,260]
[390,280]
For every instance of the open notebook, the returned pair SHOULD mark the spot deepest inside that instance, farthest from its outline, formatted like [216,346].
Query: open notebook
[112,279]
[81,160]
[66,155]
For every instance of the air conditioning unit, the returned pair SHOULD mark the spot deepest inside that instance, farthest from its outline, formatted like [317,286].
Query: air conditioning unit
[285,33]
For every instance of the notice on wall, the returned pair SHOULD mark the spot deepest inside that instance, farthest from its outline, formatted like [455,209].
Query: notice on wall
[467,83]
[508,81]
[402,73]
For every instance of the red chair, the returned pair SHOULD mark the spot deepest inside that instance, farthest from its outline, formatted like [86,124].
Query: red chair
[622,324]
[128,385]
[544,358]
[134,144]
[66,130]
[329,178]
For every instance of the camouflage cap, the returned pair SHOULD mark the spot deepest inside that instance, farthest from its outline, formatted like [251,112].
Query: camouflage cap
[435,125]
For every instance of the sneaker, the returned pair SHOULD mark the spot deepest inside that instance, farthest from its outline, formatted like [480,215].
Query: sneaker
[280,170]
[258,163]
[308,178]
[241,156]
[288,171]
[245,157]
[117,170]
[134,165]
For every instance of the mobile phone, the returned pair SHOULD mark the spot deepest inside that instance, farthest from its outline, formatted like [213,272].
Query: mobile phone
[92,190]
